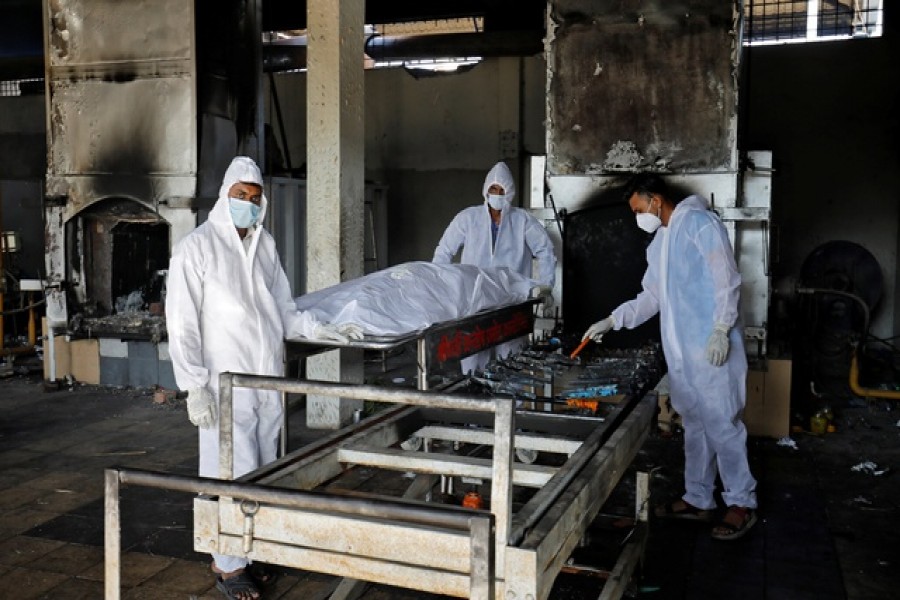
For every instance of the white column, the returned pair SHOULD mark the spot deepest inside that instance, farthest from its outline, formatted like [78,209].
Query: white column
[335,179]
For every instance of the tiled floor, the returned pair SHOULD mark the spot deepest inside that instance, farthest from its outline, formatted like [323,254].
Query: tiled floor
[825,531]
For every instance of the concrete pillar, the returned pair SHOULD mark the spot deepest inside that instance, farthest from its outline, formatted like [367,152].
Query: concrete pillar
[335,180]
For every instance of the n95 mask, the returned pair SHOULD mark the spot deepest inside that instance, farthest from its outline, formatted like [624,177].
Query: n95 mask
[648,222]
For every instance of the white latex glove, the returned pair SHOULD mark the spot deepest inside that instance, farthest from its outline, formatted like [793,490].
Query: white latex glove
[545,293]
[351,330]
[329,332]
[717,346]
[598,329]
[201,408]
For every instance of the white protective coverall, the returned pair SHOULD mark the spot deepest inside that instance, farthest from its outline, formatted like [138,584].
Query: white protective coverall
[520,238]
[693,282]
[229,308]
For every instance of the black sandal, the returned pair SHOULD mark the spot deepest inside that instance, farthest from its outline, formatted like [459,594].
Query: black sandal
[726,531]
[684,512]
[239,587]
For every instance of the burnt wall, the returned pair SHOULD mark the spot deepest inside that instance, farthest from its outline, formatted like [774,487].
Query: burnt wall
[642,85]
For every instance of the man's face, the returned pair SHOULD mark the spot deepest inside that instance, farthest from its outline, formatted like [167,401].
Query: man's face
[641,203]
[249,192]
[496,188]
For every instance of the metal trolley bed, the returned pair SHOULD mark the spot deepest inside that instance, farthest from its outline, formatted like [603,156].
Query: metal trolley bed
[277,515]
[440,343]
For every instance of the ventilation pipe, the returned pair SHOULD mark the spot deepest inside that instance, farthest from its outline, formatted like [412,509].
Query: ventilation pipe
[291,55]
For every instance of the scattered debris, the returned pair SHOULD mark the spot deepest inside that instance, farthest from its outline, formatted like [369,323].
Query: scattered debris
[869,468]
[6,369]
[787,441]
[163,396]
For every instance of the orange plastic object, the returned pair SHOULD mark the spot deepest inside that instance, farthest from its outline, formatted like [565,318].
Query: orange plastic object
[583,403]
[473,500]
[580,347]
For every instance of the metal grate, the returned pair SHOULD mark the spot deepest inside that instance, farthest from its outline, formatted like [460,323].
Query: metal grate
[784,21]
[20,87]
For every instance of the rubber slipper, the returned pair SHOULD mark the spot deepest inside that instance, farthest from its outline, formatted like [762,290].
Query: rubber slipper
[239,587]
[681,510]
[726,531]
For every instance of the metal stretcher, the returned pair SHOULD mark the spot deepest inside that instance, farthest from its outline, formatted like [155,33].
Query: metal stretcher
[281,513]
[442,342]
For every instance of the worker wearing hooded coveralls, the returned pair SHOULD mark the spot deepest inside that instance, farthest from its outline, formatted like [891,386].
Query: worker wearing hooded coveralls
[497,234]
[693,283]
[229,308]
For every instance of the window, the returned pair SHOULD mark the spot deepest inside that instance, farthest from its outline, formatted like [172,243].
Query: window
[20,87]
[783,21]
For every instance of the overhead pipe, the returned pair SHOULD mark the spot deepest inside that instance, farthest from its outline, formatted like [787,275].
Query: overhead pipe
[455,45]
[291,55]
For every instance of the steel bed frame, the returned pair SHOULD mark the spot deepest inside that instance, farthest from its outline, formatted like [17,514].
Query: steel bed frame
[276,515]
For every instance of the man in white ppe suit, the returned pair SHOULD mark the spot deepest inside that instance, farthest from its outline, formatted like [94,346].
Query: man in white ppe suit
[693,283]
[497,234]
[228,308]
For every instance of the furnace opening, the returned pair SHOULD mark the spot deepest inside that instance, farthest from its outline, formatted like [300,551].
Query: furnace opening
[117,255]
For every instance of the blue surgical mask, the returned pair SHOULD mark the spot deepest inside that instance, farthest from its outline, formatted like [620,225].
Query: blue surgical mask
[497,201]
[243,213]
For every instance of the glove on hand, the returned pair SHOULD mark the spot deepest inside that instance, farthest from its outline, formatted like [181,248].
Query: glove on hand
[717,346]
[201,408]
[329,332]
[598,329]
[545,293]
[351,330]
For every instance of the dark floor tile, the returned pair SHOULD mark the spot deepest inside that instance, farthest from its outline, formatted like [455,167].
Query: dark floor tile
[781,592]
[822,577]
[711,588]
[71,528]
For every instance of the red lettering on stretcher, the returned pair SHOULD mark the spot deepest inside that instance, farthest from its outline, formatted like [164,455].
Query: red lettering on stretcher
[461,342]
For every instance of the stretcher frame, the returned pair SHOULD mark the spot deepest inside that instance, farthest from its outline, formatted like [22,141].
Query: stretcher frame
[275,514]
[439,343]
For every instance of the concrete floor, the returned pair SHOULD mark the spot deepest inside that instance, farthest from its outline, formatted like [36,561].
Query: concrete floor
[825,532]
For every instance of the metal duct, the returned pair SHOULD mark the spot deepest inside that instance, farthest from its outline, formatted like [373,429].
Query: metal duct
[282,56]
[456,45]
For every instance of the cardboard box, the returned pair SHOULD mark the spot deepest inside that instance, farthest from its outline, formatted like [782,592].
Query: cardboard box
[78,358]
[84,356]
[768,410]
[60,355]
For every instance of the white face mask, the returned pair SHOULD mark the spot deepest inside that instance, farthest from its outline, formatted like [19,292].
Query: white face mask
[648,221]
[497,201]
